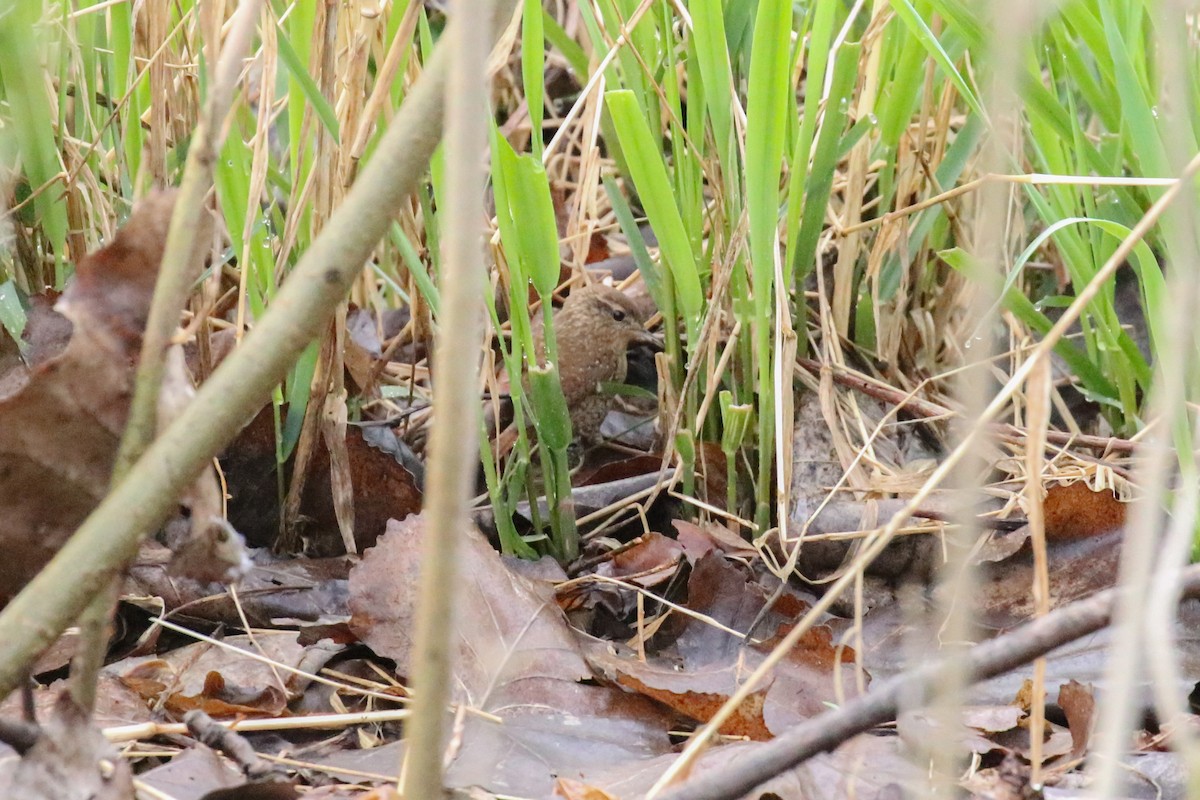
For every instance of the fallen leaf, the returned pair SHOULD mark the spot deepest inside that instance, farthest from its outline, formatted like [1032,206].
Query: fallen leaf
[1075,511]
[707,663]
[383,489]
[275,591]
[219,681]
[59,432]
[698,540]
[863,767]
[578,790]
[192,774]
[514,657]
[1078,703]
[1079,567]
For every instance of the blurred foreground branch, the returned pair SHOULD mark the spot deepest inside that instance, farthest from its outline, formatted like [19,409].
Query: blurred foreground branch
[987,660]
[230,397]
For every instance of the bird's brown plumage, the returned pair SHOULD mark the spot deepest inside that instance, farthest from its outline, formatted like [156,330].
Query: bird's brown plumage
[592,331]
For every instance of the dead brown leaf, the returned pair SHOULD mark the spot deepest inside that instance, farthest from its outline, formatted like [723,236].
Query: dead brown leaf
[698,540]
[1075,511]
[1079,567]
[578,790]
[193,774]
[275,591]
[865,767]
[514,657]
[59,431]
[650,560]
[383,489]
[1078,703]
[221,682]
[707,663]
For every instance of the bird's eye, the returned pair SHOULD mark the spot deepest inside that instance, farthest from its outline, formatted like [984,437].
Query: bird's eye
[618,314]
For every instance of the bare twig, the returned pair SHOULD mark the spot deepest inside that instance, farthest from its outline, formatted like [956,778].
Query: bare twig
[149,730]
[929,410]
[228,741]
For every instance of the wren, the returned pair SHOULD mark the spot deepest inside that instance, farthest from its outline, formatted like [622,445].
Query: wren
[593,330]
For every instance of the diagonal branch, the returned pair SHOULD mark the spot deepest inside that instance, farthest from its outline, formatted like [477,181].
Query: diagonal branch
[825,732]
[109,538]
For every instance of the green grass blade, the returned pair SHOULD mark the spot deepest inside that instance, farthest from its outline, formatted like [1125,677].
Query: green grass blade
[912,20]
[649,175]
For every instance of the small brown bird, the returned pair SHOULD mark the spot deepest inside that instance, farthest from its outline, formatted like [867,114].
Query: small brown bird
[593,330]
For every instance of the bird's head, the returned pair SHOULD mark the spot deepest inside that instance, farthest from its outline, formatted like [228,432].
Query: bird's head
[606,313]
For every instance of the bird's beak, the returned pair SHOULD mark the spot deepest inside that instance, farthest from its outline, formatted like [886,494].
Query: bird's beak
[647,338]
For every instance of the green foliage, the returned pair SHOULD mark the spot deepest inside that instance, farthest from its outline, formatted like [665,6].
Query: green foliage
[758,141]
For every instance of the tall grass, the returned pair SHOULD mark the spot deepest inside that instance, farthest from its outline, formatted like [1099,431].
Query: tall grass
[776,150]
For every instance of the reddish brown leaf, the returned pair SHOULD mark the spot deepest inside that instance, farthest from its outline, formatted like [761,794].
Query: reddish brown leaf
[597,249]
[1078,703]
[651,560]
[665,684]
[1074,511]
[619,469]
[708,664]
[383,489]
[222,683]
[578,790]
[713,473]
[699,540]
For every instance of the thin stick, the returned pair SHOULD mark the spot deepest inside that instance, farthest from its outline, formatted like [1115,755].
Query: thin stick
[148,730]
[1038,394]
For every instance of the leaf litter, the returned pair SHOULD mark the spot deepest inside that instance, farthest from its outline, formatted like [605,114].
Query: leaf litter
[574,686]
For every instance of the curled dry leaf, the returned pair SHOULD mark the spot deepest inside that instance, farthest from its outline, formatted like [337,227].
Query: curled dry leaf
[648,561]
[221,681]
[1078,703]
[1075,511]
[1072,511]
[578,790]
[707,664]
[698,540]
[60,429]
